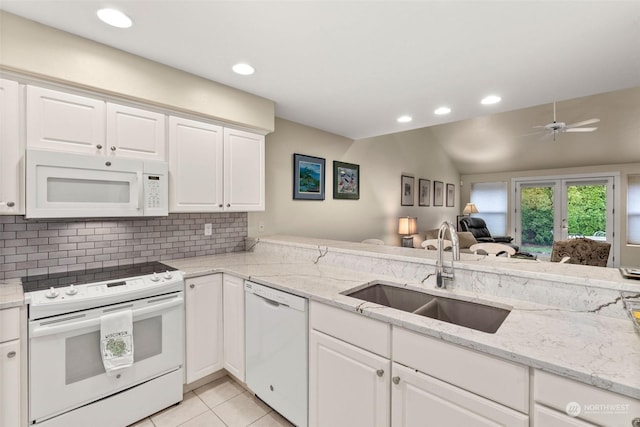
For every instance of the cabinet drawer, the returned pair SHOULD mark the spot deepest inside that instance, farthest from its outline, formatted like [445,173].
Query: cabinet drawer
[545,417]
[596,405]
[9,324]
[499,380]
[353,328]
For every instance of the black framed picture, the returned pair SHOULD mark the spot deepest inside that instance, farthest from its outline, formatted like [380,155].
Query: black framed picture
[424,192]
[308,177]
[438,193]
[346,180]
[451,194]
[406,188]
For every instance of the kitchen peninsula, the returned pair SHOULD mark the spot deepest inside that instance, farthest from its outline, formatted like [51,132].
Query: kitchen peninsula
[565,320]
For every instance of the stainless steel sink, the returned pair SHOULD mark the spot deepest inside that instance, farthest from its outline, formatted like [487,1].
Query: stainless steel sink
[480,317]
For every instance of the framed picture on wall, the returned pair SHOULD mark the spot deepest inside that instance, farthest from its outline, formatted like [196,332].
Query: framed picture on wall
[438,193]
[346,180]
[406,188]
[451,194]
[424,192]
[308,177]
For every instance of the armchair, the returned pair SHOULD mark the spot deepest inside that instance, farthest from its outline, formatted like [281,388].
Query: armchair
[478,228]
[581,251]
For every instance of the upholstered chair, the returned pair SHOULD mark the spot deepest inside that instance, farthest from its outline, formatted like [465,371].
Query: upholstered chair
[581,251]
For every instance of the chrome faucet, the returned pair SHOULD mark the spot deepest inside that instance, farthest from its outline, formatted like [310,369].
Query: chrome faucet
[443,272]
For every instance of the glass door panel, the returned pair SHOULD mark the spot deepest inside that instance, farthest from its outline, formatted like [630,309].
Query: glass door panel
[586,210]
[537,219]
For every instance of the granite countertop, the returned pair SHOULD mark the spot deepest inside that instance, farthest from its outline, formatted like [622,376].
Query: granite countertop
[581,345]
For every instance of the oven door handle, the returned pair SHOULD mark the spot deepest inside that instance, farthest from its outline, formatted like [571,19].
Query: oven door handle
[43,331]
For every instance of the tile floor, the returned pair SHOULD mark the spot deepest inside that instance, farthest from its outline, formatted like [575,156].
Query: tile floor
[218,404]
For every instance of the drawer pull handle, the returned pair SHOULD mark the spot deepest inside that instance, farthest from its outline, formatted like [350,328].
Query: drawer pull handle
[10,204]
[113,148]
[192,286]
[380,372]
[396,380]
[11,354]
[99,146]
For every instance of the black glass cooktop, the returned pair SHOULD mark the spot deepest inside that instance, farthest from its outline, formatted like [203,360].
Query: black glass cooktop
[46,281]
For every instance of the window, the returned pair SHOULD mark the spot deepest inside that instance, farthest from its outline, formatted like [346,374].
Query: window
[633,210]
[491,200]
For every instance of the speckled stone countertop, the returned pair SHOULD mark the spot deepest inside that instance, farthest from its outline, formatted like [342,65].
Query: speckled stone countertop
[580,344]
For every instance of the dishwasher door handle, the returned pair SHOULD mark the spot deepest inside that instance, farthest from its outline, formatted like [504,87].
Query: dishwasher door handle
[270,301]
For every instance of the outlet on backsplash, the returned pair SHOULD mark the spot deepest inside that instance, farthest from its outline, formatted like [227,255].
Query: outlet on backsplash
[208,229]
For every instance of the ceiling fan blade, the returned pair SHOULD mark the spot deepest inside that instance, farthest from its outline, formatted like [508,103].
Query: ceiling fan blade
[583,123]
[540,132]
[580,129]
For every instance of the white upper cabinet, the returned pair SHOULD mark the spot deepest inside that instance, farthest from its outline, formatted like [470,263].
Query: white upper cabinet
[64,122]
[243,171]
[132,132]
[195,166]
[214,169]
[11,165]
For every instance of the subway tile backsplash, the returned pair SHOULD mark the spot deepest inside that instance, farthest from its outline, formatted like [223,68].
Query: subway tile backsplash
[31,247]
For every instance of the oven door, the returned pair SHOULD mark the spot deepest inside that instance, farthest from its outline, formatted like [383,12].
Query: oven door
[65,364]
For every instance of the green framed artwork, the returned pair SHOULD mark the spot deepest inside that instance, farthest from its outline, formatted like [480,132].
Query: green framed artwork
[346,180]
[308,177]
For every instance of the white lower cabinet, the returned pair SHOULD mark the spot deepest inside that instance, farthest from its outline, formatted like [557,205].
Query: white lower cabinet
[203,321]
[348,386]
[561,402]
[10,370]
[233,319]
[420,400]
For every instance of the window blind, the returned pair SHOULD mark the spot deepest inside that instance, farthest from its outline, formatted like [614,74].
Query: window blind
[491,200]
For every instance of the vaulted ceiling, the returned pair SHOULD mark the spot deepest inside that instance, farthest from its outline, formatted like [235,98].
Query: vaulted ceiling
[353,67]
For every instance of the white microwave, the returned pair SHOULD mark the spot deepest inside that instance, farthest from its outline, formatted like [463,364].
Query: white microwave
[63,185]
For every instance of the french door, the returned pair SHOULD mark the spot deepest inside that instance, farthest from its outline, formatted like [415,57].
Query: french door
[552,209]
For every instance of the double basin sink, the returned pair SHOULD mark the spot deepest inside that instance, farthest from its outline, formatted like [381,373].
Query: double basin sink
[474,315]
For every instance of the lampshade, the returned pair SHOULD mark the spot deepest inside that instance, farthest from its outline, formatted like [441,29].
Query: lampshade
[407,225]
[470,208]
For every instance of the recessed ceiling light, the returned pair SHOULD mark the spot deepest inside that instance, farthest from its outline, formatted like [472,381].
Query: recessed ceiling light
[114,18]
[243,69]
[491,99]
[442,110]
[404,119]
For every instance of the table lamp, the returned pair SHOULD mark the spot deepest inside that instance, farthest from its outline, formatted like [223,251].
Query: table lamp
[407,226]
[470,208]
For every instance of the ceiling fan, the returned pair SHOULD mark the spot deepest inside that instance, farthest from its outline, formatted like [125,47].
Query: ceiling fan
[556,127]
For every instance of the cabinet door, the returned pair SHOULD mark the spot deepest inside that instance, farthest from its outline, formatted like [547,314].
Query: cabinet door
[420,400]
[64,122]
[233,313]
[11,165]
[195,166]
[203,312]
[243,171]
[348,386]
[10,383]
[132,132]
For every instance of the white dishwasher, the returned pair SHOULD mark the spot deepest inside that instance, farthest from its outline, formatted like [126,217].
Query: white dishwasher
[277,350]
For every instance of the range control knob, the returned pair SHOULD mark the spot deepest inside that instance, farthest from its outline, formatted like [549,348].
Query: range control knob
[155,277]
[167,275]
[51,293]
[71,290]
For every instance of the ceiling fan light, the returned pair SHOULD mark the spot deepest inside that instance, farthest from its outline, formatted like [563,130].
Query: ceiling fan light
[115,18]
[490,100]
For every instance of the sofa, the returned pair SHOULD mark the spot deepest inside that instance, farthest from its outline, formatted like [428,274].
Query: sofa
[465,239]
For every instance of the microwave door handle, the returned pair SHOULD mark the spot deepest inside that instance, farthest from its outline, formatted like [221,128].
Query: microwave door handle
[140,187]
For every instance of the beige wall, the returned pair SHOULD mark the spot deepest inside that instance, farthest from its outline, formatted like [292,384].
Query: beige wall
[44,52]
[382,160]
[629,254]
